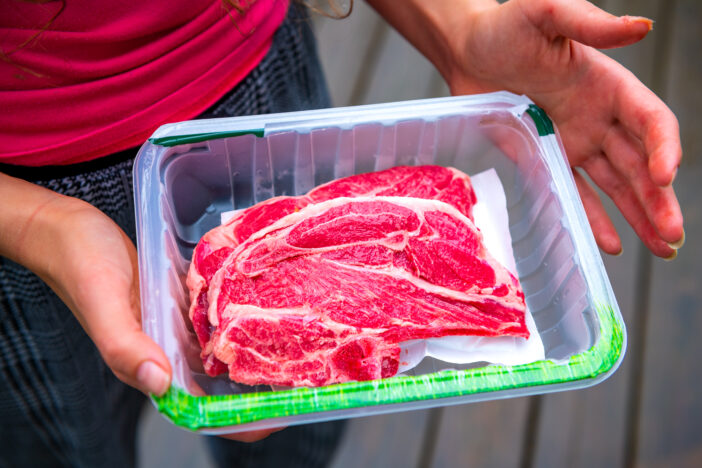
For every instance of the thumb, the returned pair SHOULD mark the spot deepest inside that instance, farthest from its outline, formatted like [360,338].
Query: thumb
[92,266]
[131,354]
[111,315]
[583,22]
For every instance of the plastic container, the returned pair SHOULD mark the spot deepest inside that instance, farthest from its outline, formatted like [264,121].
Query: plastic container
[190,172]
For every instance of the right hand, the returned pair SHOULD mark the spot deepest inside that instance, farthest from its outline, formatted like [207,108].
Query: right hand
[91,264]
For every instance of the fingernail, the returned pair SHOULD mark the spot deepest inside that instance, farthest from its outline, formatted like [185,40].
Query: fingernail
[641,19]
[672,256]
[678,244]
[619,254]
[152,378]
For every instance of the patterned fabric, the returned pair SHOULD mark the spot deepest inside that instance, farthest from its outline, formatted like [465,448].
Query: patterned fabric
[59,404]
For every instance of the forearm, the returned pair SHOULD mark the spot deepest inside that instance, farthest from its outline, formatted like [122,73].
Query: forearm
[29,215]
[437,28]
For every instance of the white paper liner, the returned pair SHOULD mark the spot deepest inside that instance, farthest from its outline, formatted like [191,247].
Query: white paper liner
[227,215]
[490,215]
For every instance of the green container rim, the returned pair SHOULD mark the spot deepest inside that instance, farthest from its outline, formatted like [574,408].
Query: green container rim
[215,411]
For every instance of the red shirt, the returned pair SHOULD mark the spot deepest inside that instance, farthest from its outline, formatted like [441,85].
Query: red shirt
[104,74]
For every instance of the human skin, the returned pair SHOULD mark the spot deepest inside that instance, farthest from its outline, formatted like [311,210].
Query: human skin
[612,126]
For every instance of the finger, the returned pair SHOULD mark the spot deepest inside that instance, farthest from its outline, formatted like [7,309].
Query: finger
[660,204]
[602,227]
[616,187]
[647,118]
[584,22]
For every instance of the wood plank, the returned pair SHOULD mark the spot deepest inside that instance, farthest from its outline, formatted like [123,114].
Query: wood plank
[670,432]
[401,73]
[366,61]
[392,440]
[345,48]
[683,87]
[589,427]
[160,443]
[485,434]
[671,412]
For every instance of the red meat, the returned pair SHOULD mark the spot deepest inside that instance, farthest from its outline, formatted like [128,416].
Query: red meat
[428,182]
[327,293]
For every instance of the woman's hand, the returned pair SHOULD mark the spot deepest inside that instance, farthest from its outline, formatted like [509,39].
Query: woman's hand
[91,264]
[613,127]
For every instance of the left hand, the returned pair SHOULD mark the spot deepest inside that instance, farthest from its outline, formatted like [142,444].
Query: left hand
[91,264]
[613,127]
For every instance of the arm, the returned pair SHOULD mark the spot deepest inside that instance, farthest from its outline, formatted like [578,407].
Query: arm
[91,264]
[613,127]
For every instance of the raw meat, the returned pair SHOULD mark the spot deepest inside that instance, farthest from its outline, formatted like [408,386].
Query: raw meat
[326,293]
[214,247]
[427,182]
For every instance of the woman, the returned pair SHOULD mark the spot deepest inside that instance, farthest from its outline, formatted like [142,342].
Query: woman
[83,85]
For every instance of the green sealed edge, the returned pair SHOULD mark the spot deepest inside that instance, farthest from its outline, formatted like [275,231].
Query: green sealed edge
[198,137]
[197,412]
[543,123]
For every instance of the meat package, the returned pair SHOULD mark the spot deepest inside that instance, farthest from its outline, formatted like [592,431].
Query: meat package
[321,288]
[335,263]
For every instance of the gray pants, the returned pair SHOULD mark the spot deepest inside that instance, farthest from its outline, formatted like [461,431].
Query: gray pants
[59,403]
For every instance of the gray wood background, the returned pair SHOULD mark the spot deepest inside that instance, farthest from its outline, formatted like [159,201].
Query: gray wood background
[649,414]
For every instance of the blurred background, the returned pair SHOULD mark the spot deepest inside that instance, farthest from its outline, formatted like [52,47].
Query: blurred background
[649,414]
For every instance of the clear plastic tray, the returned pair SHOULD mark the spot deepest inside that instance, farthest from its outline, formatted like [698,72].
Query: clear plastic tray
[190,172]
